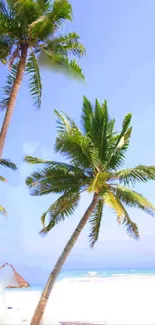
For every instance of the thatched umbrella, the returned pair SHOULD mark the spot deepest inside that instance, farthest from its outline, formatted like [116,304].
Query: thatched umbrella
[19,281]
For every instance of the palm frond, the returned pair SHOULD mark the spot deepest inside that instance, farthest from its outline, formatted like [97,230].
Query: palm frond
[56,164]
[61,10]
[50,18]
[8,86]
[113,202]
[121,145]
[55,179]
[11,165]
[140,173]
[4,23]
[26,12]
[99,127]
[99,182]
[35,160]
[131,227]
[60,63]
[2,179]
[67,45]
[95,222]
[64,123]
[40,28]
[45,5]
[63,207]
[5,48]
[93,186]
[134,199]
[87,116]
[78,149]
[3,211]
[117,159]
[8,163]
[35,84]
[102,132]
[73,69]
[126,131]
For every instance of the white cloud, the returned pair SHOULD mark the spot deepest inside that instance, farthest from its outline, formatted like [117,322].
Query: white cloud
[29,148]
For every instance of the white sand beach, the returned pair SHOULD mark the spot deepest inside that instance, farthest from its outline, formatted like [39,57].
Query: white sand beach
[120,300]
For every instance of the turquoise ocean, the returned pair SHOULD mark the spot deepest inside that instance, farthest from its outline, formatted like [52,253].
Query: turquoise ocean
[78,275]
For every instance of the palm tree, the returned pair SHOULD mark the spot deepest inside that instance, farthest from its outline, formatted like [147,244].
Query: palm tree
[29,33]
[8,164]
[94,157]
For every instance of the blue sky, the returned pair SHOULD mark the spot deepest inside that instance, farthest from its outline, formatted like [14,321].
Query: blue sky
[120,67]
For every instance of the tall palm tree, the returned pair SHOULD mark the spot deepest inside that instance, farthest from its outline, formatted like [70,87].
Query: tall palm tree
[8,164]
[94,155]
[30,33]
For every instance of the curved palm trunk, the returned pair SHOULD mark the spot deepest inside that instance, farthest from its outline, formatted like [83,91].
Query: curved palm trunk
[53,275]
[13,96]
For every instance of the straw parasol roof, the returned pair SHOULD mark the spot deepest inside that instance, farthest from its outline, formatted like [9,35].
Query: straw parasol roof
[19,280]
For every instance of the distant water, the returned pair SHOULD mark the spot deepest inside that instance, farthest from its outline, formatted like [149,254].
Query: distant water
[105,273]
[91,273]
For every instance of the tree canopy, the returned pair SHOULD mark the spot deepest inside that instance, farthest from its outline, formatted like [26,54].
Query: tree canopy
[94,158]
[37,26]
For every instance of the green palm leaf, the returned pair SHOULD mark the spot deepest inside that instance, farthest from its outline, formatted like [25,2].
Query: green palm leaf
[60,63]
[3,211]
[61,10]
[7,89]
[78,148]
[5,48]
[50,19]
[99,128]
[117,155]
[4,22]
[72,69]
[67,45]
[74,145]
[131,227]
[113,202]
[64,123]
[95,222]
[56,179]
[87,116]
[63,207]
[138,174]
[7,163]
[35,84]
[35,160]
[134,199]
[56,164]
[2,179]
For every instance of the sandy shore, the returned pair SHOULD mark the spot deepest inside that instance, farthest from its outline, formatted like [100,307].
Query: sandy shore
[121,300]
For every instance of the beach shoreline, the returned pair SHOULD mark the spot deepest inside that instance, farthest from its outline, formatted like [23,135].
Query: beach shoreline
[113,300]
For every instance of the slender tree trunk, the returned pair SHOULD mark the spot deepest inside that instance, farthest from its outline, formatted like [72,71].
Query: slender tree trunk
[53,275]
[13,96]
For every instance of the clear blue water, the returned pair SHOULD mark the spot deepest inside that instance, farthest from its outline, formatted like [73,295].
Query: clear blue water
[100,273]
[106,273]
